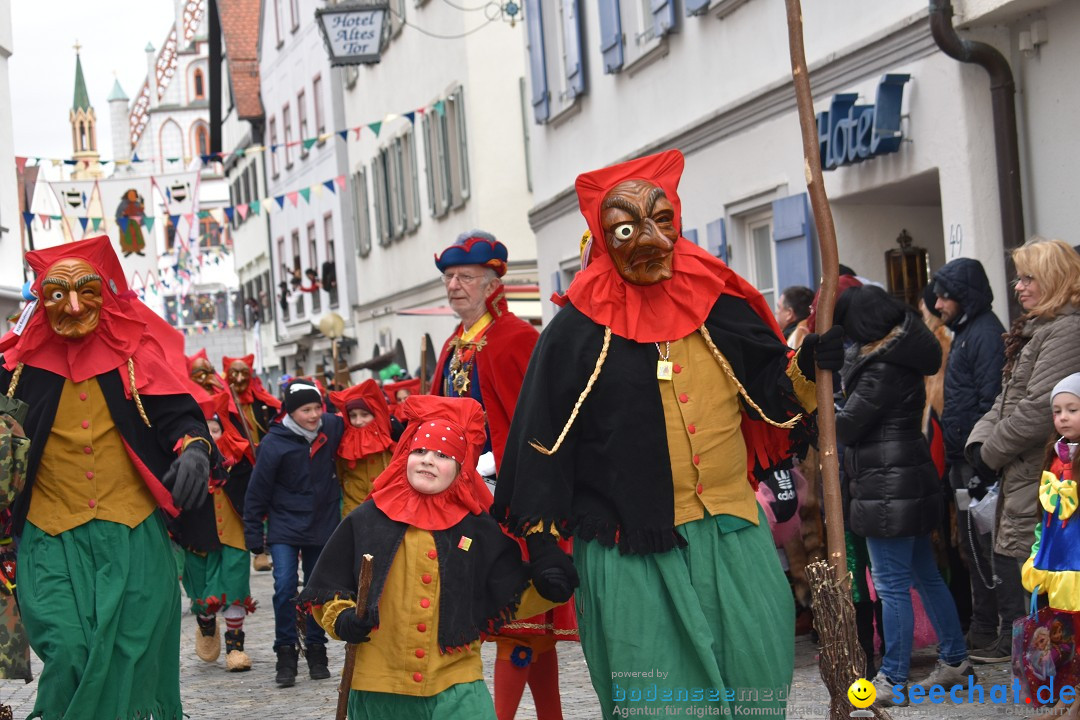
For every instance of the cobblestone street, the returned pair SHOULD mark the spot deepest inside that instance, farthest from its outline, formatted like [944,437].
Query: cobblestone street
[210,693]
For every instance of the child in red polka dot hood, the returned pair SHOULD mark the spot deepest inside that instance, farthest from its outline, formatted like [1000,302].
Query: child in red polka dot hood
[445,576]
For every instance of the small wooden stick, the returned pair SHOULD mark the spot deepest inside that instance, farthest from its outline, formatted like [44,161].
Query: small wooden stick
[423,366]
[363,587]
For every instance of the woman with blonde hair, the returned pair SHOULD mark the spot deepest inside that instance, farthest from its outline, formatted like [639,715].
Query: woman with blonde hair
[1041,348]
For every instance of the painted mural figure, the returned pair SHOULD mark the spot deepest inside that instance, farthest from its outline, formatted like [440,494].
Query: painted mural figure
[129,216]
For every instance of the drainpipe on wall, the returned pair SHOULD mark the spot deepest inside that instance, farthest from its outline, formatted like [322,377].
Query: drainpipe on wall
[1003,107]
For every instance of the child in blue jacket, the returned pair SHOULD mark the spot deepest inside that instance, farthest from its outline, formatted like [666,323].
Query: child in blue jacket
[294,485]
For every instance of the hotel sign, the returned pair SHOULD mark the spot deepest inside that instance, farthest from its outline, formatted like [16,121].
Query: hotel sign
[355,32]
[850,133]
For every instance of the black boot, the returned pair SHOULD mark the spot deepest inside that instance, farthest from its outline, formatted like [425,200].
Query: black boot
[286,666]
[316,662]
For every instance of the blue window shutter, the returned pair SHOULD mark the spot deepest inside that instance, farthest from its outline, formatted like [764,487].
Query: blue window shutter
[663,12]
[716,238]
[691,235]
[611,38]
[795,242]
[575,71]
[537,64]
[696,7]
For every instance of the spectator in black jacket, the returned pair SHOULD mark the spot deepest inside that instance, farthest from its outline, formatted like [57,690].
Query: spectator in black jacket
[295,486]
[895,500]
[972,381]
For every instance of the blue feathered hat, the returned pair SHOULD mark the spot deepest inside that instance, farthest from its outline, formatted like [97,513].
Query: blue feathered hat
[474,247]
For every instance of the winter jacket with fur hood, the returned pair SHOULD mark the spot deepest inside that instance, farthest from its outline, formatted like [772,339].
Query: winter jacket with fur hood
[894,486]
[1015,431]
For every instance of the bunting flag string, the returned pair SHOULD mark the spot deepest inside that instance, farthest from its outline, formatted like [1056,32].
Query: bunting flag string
[220,215]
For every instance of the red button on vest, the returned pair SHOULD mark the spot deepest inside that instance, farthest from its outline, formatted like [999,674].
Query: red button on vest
[425,578]
[677,368]
[220,532]
[82,396]
[85,424]
[425,603]
[420,652]
[691,429]
[220,520]
[92,502]
[432,554]
[88,449]
[683,397]
[700,488]
[89,475]
[421,627]
[697,459]
[417,677]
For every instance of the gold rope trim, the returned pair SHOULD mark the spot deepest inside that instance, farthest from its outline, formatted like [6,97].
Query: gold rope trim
[14,380]
[722,361]
[581,398]
[135,393]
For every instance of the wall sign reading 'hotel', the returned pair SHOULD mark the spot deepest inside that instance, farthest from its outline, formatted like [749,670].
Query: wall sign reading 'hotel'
[850,133]
[355,32]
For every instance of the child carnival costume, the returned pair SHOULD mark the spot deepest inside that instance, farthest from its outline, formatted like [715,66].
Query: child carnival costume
[97,579]
[445,575]
[366,447]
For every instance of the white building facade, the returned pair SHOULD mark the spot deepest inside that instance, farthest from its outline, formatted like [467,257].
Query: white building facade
[307,237]
[449,157]
[713,79]
[11,275]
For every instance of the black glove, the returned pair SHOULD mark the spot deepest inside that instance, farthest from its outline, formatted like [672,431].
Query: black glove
[352,628]
[985,473]
[188,476]
[257,551]
[826,350]
[397,428]
[785,501]
[552,570]
[977,487]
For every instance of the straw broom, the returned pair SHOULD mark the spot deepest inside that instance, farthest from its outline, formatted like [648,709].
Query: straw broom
[841,657]
[345,687]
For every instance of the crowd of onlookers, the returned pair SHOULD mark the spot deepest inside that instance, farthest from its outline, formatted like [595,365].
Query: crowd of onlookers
[944,420]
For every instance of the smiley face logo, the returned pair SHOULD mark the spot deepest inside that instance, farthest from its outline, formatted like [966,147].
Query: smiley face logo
[862,693]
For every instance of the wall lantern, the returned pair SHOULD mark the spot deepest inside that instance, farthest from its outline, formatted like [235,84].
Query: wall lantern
[907,270]
[355,32]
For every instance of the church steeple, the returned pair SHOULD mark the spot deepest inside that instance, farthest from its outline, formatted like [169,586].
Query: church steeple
[83,128]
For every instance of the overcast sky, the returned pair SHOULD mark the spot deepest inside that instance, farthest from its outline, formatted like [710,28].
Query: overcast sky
[113,36]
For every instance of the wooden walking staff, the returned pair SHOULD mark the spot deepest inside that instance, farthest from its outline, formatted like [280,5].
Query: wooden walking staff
[424,379]
[842,659]
[345,687]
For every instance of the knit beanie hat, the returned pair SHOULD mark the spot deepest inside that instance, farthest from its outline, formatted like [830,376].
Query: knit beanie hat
[1070,384]
[300,393]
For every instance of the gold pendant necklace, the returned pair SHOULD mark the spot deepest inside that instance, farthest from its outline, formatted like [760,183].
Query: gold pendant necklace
[663,365]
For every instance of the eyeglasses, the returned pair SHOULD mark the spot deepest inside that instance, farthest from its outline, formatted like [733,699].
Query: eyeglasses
[462,279]
[1023,280]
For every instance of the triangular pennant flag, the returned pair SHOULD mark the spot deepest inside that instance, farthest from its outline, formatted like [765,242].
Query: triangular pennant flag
[344,134]
[83,221]
[135,158]
[205,159]
[123,223]
[420,110]
[375,127]
[411,116]
[56,217]
[175,220]
[440,108]
[281,201]
[329,185]
[306,194]
[255,206]
[326,136]
[294,197]
[357,129]
[229,213]
[28,218]
[20,163]
[148,222]
[56,163]
[190,217]
[316,189]
[239,153]
[309,142]
[204,214]
[95,222]
[273,148]
[71,162]
[340,180]
[172,159]
[243,210]
[43,217]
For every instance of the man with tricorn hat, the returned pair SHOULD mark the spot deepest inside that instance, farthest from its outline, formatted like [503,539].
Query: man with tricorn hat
[114,436]
[485,359]
[655,400]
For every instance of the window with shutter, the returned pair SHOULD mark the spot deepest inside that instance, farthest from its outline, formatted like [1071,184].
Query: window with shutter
[534,23]
[573,66]
[611,35]
[363,213]
[794,240]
